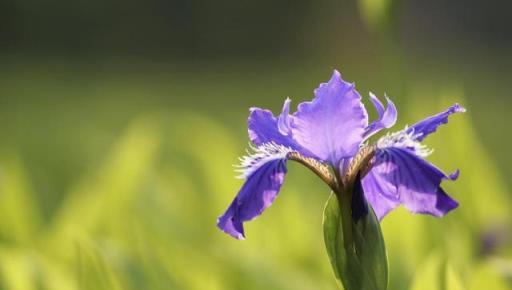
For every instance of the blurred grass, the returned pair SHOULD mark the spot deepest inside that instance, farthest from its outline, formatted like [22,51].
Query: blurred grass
[112,180]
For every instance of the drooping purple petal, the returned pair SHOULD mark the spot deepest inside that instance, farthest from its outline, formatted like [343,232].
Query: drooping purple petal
[258,192]
[429,125]
[387,116]
[332,125]
[398,176]
[380,193]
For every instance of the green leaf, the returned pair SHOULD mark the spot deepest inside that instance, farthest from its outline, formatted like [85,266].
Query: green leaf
[359,264]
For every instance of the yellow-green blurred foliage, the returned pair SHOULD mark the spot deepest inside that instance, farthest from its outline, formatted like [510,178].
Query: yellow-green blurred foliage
[142,215]
[114,171]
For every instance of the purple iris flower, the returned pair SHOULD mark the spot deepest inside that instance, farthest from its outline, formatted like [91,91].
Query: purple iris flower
[328,135]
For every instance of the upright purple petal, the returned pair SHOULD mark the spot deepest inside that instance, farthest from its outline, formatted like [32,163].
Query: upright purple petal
[283,122]
[398,176]
[264,128]
[332,125]
[429,125]
[257,194]
[379,107]
[387,116]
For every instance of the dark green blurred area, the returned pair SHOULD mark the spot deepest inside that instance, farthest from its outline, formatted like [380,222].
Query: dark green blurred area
[121,122]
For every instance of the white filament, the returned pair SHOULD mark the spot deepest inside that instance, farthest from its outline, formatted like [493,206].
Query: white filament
[258,156]
[403,139]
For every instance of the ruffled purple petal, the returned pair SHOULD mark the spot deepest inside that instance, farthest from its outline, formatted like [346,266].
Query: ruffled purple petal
[332,125]
[429,125]
[398,176]
[387,116]
[258,192]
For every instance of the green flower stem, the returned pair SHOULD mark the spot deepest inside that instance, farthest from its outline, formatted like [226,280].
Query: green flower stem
[345,203]
[345,191]
[356,249]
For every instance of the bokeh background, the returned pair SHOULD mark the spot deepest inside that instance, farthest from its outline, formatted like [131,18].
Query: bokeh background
[120,122]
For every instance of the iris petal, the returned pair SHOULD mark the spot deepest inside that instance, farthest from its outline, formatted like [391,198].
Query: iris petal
[387,116]
[429,125]
[398,176]
[258,192]
[283,122]
[332,125]
[263,128]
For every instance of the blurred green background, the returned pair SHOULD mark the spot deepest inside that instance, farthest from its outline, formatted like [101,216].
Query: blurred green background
[120,122]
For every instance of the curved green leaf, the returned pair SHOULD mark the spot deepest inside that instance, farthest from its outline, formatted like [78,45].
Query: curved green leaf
[362,263]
